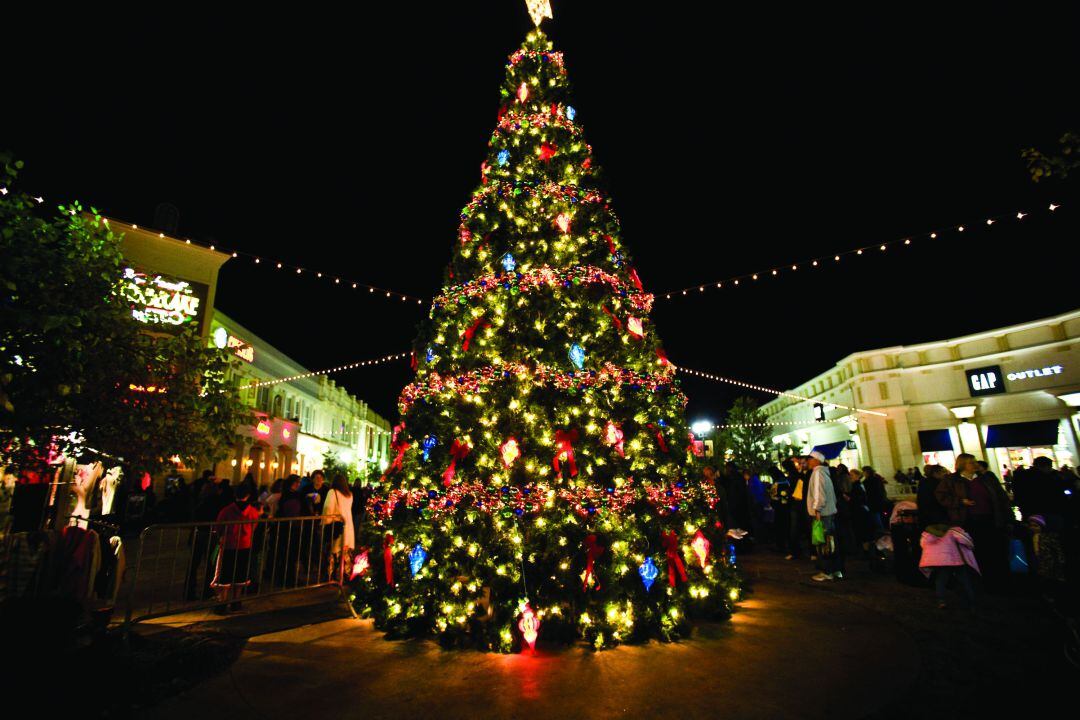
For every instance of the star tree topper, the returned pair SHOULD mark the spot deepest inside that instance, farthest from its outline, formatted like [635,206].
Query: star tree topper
[538,10]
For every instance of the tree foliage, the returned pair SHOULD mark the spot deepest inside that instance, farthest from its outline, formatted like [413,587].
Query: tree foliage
[1056,165]
[73,362]
[748,437]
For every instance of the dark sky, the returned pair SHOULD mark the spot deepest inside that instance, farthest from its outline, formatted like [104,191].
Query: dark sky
[732,141]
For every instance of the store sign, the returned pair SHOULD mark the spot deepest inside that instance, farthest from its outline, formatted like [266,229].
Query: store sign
[167,303]
[241,349]
[1036,373]
[985,381]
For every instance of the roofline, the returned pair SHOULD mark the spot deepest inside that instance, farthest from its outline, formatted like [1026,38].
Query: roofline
[187,244]
[897,349]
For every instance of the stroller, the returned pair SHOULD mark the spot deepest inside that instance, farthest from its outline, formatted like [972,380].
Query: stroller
[905,534]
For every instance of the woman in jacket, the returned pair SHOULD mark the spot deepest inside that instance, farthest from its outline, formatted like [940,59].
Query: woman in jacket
[342,537]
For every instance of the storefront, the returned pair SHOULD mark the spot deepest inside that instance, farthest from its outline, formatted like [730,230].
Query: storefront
[1007,396]
[300,421]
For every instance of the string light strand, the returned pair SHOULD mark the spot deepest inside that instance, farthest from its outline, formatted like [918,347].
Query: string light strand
[824,260]
[770,391]
[328,371]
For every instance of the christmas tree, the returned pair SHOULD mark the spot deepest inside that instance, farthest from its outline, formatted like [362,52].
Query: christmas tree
[543,474]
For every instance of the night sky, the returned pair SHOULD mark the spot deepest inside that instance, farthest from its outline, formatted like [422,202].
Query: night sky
[733,141]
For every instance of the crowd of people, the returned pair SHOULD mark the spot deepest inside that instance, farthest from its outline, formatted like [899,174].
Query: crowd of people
[964,526]
[221,563]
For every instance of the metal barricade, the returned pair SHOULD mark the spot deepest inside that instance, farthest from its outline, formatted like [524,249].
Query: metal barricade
[184,567]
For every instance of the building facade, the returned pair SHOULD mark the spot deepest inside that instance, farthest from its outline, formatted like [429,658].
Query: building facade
[1006,396]
[298,422]
[171,284]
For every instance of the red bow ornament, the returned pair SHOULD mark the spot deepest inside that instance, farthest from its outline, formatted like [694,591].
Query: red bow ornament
[614,320]
[564,451]
[592,551]
[674,560]
[471,330]
[401,445]
[660,441]
[458,451]
[636,280]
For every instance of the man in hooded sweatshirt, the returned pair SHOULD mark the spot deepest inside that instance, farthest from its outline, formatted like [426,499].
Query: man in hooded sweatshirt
[821,505]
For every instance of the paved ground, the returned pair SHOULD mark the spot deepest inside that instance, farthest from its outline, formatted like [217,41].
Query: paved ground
[795,649]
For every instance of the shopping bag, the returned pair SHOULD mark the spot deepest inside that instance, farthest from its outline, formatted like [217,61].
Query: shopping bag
[1017,557]
[817,532]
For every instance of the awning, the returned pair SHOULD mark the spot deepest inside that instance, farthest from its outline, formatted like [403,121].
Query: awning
[935,441]
[832,450]
[1023,434]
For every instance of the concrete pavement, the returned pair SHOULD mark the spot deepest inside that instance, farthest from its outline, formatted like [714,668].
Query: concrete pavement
[794,649]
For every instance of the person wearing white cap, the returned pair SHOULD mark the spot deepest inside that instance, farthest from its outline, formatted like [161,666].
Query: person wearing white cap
[821,505]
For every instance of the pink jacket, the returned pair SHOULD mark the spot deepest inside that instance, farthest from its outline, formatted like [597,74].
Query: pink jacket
[953,549]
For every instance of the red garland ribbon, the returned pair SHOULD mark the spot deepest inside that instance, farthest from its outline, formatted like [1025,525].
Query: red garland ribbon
[610,244]
[615,320]
[659,437]
[458,451]
[662,357]
[592,551]
[674,562]
[388,558]
[564,449]
[471,330]
[636,280]
[412,360]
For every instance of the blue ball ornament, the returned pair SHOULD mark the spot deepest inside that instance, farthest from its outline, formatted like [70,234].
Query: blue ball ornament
[648,573]
[429,355]
[577,356]
[570,112]
[430,441]
[417,556]
[509,263]
[504,157]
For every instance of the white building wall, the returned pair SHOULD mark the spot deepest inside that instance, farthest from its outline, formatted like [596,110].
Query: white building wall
[918,388]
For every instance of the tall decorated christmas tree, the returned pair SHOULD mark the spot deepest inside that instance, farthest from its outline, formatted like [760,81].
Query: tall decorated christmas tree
[543,482]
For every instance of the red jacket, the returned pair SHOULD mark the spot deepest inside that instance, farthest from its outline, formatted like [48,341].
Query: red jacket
[238,537]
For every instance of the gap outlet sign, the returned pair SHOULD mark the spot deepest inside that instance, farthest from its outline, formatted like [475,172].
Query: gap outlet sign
[985,381]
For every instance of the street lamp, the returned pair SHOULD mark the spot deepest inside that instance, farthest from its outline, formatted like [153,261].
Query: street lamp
[701,428]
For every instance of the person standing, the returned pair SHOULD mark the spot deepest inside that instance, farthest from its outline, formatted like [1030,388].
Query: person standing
[233,572]
[931,512]
[782,503]
[987,523]
[206,510]
[319,490]
[952,490]
[342,539]
[821,506]
[875,499]
[797,531]
[845,535]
